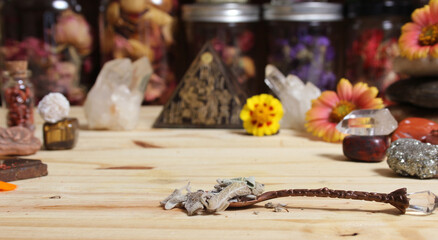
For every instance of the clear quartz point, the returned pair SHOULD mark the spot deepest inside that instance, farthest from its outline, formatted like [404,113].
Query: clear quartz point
[369,122]
[422,203]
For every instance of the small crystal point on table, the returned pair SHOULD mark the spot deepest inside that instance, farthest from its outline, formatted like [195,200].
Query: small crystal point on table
[368,122]
[422,203]
[369,131]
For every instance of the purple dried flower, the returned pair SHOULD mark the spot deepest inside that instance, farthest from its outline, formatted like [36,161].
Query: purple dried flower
[307,39]
[330,54]
[302,72]
[327,81]
[296,50]
[323,41]
[282,42]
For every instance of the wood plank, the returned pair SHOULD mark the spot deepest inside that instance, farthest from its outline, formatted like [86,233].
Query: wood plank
[83,198]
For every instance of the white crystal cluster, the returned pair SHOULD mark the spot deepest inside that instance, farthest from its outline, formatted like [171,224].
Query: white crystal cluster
[295,96]
[54,107]
[115,99]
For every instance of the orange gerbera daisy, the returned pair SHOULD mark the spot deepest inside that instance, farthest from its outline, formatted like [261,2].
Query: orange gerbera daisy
[419,39]
[331,107]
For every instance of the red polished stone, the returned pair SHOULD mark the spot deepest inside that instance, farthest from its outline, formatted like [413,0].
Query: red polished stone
[416,128]
[432,137]
[365,148]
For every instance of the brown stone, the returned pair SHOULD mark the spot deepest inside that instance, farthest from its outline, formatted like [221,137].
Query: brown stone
[416,128]
[365,148]
[13,169]
[18,141]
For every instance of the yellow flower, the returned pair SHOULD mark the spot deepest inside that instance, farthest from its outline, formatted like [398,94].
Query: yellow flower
[419,39]
[261,115]
[331,107]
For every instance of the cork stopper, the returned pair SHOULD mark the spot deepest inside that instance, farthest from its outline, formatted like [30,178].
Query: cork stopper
[17,68]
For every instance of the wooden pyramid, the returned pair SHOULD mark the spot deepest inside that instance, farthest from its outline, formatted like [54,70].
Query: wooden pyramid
[208,96]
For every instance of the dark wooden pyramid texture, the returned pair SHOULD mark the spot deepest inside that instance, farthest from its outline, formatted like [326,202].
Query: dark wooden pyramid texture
[208,96]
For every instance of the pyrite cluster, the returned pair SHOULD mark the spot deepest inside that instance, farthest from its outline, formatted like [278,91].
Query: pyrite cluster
[410,157]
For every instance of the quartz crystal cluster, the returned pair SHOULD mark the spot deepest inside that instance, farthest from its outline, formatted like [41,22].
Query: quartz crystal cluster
[115,99]
[295,96]
[368,122]
[410,157]
[54,107]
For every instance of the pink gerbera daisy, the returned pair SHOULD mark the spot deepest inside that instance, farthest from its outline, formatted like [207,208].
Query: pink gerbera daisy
[331,107]
[419,39]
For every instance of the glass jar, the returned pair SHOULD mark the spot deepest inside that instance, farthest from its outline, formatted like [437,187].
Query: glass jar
[306,39]
[53,38]
[137,28]
[233,30]
[420,3]
[18,95]
[372,40]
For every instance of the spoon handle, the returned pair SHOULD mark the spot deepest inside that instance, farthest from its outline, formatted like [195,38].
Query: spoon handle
[397,198]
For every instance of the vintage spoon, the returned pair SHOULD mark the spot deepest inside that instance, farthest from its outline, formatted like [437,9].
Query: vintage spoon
[420,203]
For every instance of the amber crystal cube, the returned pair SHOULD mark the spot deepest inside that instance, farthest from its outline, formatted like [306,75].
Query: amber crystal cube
[61,135]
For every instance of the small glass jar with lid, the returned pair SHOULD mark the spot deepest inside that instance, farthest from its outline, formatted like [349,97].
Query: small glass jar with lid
[306,39]
[372,41]
[233,29]
[139,28]
[54,38]
[18,95]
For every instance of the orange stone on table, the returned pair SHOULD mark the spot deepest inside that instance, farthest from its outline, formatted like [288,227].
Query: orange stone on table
[416,128]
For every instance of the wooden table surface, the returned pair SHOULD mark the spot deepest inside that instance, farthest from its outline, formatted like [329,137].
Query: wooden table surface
[83,198]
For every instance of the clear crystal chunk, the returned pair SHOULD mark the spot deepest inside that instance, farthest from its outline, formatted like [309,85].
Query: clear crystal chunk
[295,96]
[369,122]
[115,99]
[422,203]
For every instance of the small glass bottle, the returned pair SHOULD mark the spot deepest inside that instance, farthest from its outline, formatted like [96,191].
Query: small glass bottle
[18,95]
